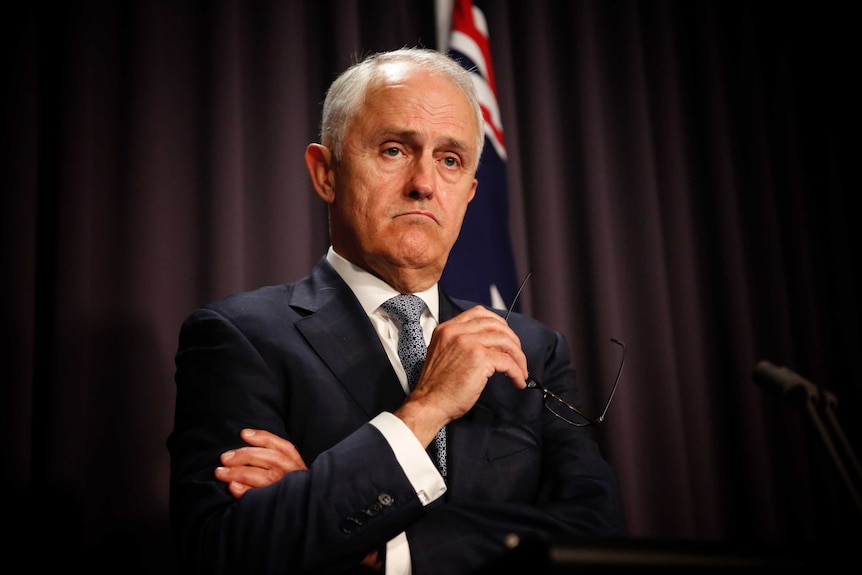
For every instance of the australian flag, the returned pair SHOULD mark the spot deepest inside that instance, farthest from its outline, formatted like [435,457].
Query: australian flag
[481,266]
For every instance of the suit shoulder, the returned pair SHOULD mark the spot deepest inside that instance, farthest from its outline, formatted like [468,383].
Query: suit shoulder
[257,305]
[264,296]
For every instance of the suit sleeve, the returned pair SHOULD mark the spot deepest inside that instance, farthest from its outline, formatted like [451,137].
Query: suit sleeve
[326,518]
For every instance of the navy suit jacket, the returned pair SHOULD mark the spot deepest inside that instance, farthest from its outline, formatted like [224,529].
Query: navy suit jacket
[303,361]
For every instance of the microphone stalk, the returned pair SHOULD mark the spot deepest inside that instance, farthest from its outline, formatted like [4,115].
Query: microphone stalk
[801,393]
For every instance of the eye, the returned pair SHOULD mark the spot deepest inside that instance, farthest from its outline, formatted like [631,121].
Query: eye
[392,151]
[451,162]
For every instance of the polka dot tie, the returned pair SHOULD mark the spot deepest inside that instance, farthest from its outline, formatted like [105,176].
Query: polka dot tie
[407,309]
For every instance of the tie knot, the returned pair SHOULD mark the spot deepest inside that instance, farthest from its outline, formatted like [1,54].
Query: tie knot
[405,308]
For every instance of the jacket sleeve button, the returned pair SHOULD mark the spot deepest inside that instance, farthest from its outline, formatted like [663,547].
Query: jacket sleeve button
[385,499]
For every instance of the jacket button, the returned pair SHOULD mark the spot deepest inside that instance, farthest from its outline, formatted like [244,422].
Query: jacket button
[385,499]
[349,523]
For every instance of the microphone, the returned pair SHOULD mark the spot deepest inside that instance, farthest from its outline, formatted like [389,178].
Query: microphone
[788,384]
[801,393]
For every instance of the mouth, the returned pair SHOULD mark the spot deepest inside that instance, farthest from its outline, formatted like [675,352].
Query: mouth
[420,214]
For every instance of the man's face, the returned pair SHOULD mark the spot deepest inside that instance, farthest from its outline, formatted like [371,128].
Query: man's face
[405,178]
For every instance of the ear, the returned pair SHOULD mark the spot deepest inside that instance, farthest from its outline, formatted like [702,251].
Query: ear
[473,190]
[318,158]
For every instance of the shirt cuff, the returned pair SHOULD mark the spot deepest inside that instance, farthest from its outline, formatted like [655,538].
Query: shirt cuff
[414,460]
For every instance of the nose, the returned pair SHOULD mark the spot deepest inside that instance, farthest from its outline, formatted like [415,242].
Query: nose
[422,179]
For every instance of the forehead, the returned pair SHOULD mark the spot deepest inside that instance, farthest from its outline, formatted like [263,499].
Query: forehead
[410,96]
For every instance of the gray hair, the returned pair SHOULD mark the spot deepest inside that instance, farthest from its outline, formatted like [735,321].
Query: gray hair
[347,92]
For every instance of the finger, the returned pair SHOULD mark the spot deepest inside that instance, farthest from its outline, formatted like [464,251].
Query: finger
[237,489]
[261,457]
[249,476]
[519,381]
[497,334]
[478,320]
[490,345]
[263,438]
[478,312]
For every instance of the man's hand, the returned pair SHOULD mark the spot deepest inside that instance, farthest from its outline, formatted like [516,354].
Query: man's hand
[267,459]
[464,353]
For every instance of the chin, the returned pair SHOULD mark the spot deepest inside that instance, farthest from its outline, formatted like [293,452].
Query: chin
[418,259]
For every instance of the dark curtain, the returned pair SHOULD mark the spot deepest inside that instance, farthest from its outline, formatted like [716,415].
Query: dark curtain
[680,176]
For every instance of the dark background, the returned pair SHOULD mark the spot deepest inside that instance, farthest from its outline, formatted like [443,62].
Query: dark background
[681,176]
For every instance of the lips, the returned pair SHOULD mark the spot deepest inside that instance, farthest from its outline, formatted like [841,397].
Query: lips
[421,213]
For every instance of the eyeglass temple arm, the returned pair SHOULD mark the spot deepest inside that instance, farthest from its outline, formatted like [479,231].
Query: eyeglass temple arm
[533,383]
[616,379]
[518,294]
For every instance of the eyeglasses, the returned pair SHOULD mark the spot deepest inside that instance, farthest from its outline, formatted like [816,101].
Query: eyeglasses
[556,404]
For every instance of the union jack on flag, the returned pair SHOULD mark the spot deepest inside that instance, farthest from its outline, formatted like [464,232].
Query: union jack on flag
[481,265]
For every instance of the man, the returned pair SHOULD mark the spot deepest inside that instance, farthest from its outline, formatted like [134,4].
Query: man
[297,444]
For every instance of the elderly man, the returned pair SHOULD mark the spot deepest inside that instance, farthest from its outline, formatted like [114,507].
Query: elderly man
[312,435]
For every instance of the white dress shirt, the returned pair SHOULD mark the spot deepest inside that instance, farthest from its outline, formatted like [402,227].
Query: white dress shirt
[417,464]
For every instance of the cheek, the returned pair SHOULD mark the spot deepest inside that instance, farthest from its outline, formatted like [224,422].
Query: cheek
[365,208]
[375,195]
[458,201]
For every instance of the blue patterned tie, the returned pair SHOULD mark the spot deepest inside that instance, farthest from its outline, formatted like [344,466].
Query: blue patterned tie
[411,350]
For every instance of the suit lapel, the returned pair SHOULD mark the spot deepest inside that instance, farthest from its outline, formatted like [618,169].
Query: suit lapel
[341,334]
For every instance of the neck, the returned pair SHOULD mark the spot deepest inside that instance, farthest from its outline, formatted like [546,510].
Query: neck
[406,280]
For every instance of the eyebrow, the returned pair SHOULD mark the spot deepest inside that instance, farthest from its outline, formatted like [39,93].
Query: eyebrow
[414,135]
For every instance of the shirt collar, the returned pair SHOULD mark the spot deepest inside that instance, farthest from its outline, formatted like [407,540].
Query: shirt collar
[371,291]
